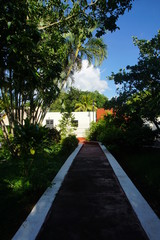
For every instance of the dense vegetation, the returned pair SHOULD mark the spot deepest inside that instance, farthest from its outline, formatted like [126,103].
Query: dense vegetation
[42,43]
[119,132]
[76,100]
[39,155]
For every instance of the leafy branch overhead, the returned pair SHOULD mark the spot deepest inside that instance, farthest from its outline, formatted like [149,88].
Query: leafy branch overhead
[100,13]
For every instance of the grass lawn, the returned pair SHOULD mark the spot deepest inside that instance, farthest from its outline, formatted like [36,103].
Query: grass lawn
[15,201]
[143,167]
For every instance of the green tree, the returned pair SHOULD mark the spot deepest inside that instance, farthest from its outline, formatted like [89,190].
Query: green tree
[85,104]
[99,99]
[67,125]
[73,96]
[34,50]
[141,83]
[28,73]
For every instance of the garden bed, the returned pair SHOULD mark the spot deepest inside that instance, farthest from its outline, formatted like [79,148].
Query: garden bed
[143,168]
[17,199]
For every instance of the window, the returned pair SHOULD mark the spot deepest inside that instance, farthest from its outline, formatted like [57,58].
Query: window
[49,123]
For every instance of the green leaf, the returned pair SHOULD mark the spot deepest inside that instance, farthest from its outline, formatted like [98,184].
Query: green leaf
[9,24]
[8,38]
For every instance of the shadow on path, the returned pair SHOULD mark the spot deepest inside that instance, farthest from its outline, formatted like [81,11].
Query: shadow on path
[90,204]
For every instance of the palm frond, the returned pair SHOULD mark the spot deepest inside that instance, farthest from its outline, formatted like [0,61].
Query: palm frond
[97,49]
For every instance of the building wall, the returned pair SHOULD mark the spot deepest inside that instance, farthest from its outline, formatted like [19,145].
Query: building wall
[84,119]
[101,112]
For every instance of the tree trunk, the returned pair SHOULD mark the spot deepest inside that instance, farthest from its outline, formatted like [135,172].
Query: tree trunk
[73,62]
[5,131]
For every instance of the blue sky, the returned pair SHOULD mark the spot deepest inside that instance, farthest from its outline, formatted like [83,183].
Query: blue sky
[142,21]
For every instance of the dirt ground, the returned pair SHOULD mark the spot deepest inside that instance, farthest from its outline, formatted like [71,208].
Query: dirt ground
[91,204]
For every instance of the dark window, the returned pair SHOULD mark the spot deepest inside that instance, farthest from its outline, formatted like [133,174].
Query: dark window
[49,123]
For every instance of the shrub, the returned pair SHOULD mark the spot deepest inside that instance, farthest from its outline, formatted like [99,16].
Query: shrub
[33,144]
[111,135]
[54,135]
[69,143]
[137,136]
[36,152]
[95,130]
[121,132]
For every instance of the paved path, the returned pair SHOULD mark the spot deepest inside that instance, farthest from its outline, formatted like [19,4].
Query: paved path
[90,204]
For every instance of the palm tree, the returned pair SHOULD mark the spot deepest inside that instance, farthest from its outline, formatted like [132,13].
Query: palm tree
[94,50]
[85,104]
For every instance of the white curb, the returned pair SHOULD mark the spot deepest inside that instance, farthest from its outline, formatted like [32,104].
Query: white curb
[148,219]
[33,223]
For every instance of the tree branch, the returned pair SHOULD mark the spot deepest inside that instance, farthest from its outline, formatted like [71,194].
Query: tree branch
[67,18]
[56,23]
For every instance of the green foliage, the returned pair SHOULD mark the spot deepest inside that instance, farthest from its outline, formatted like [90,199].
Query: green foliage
[95,51]
[95,130]
[30,136]
[66,125]
[76,99]
[138,135]
[106,131]
[32,145]
[114,131]
[69,143]
[19,192]
[111,136]
[35,149]
[99,99]
[37,55]
[85,104]
[54,135]
[140,84]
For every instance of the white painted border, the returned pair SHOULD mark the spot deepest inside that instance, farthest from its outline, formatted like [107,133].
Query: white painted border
[148,219]
[32,225]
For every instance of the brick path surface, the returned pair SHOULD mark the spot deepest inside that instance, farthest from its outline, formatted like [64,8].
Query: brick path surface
[91,204]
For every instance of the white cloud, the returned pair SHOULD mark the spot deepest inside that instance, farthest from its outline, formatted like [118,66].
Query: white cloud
[88,79]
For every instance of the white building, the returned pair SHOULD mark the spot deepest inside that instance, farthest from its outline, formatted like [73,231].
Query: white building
[82,119]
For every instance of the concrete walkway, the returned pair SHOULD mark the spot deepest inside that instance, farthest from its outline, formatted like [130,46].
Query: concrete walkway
[91,204]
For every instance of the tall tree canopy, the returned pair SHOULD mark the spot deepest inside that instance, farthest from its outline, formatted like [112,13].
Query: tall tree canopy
[34,50]
[77,100]
[141,82]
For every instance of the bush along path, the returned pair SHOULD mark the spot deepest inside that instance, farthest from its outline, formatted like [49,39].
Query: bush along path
[91,203]
[24,178]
